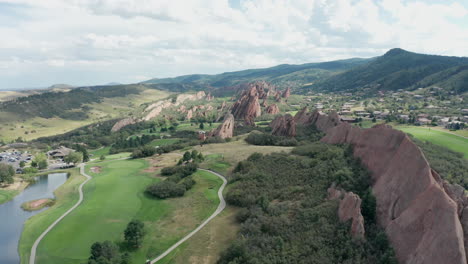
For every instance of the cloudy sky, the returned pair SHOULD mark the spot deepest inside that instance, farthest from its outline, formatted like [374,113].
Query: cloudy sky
[85,42]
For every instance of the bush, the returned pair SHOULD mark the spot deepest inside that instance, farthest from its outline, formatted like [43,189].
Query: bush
[264,139]
[166,189]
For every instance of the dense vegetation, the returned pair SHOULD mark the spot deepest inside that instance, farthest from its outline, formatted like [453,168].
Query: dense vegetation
[398,69]
[67,105]
[265,139]
[450,165]
[178,181]
[304,134]
[107,253]
[286,217]
[6,173]
[123,144]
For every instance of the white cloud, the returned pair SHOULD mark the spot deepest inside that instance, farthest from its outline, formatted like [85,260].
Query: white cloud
[99,41]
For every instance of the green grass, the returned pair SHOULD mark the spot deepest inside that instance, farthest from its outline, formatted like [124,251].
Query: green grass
[163,142]
[112,199]
[7,195]
[99,152]
[216,162]
[437,137]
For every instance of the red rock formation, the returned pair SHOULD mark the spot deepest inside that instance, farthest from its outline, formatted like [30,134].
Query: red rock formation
[223,105]
[247,107]
[264,103]
[419,217]
[283,126]
[189,114]
[123,123]
[272,109]
[278,97]
[321,121]
[349,209]
[209,97]
[286,93]
[226,129]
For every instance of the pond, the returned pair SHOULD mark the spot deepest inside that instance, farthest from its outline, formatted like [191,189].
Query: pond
[12,216]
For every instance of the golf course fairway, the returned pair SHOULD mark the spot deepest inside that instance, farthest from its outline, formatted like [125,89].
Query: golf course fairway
[114,197]
[453,142]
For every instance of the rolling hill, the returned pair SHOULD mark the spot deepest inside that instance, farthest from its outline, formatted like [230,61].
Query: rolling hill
[286,74]
[400,69]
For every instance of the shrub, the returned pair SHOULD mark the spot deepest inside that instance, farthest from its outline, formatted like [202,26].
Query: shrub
[166,189]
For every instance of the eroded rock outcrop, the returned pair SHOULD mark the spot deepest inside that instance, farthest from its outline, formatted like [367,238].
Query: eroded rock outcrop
[123,123]
[420,218]
[321,121]
[226,129]
[272,109]
[247,107]
[155,109]
[286,93]
[283,126]
[349,209]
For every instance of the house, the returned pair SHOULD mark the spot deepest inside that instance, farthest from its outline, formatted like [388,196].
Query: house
[60,152]
[348,119]
[424,121]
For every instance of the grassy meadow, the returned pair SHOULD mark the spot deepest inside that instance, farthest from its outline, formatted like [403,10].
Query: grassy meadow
[453,142]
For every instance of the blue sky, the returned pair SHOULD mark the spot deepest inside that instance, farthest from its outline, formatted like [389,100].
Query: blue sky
[87,42]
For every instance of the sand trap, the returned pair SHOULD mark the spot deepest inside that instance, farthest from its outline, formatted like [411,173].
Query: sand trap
[96,169]
[37,203]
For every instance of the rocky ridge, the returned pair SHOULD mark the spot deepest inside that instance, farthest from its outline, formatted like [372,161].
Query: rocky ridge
[425,218]
[155,109]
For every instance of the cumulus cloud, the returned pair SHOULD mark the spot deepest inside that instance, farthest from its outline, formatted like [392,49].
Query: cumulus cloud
[85,42]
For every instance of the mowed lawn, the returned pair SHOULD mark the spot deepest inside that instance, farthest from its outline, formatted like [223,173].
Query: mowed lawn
[453,142]
[113,198]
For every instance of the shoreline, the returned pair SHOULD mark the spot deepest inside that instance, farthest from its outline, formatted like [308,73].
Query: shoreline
[38,204]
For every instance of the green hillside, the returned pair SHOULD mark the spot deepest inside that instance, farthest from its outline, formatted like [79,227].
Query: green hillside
[295,75]
[398,69]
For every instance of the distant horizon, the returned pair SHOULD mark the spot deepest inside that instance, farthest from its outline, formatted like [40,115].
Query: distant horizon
[95,42]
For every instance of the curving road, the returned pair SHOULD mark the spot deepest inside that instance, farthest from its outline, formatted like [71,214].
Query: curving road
[221,206]
[32,257]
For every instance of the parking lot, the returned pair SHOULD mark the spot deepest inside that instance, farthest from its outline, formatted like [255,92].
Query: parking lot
[14,157]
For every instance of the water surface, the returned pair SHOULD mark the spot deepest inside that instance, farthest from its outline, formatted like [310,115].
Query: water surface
[12,217]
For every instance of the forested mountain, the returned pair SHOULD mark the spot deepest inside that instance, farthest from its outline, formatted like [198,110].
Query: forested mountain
[294,75]
[400,69]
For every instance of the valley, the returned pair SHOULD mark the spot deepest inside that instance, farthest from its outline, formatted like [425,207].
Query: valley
[310,153]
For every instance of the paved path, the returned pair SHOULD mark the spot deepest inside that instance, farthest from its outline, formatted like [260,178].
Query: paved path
[221,206]
[32,257]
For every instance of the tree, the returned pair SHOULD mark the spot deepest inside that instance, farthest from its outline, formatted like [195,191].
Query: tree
[22,164]
[104,253]
[194,154]
[40,161]
[102,157]
[42,165]
[202,126]
[73,157]
[134,233]
[187,156]
[6,173]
